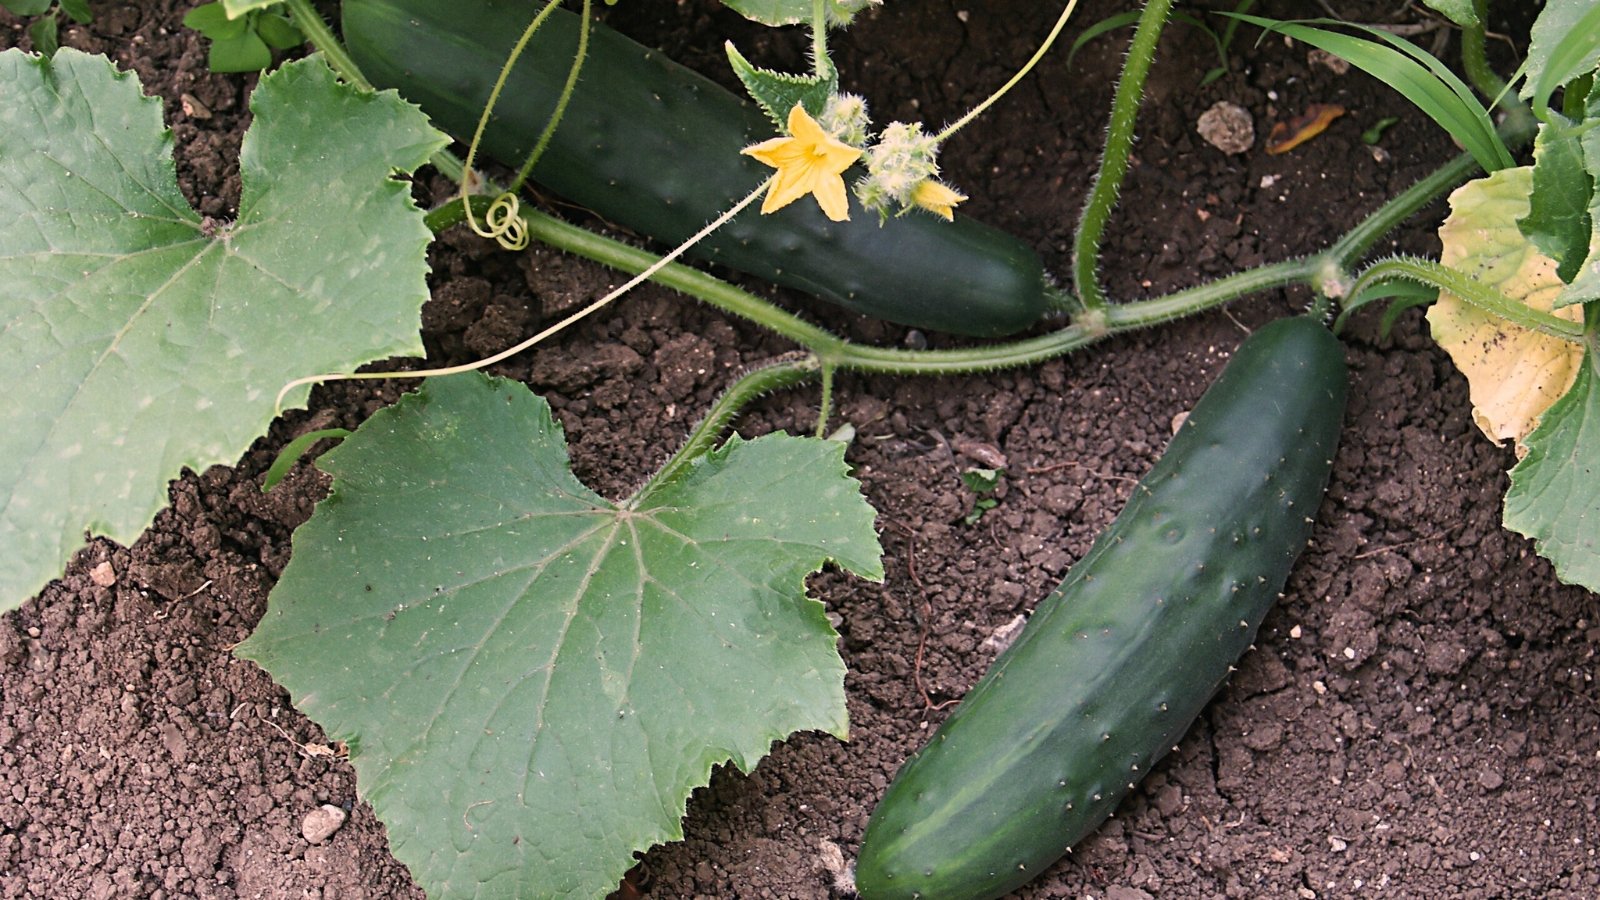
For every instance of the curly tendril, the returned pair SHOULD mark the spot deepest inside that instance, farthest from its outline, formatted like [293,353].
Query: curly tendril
[503,221]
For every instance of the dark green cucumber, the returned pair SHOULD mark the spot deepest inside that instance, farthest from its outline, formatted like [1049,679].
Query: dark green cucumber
[1120,659]
[651,145]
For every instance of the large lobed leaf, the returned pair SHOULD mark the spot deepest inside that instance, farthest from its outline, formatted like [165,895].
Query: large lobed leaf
[1555,490]
[531,679]
[138,338]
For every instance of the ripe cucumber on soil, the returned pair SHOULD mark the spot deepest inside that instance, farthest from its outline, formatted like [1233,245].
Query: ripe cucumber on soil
[1120,659]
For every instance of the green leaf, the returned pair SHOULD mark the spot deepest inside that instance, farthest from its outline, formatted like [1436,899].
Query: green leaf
[238,8]
[772,12]
[1584,284]
[245,53]
[44,32]
[1554,496]
[278,32]
[1417,75]
[1565,44]
[532,679]
[140,338]
[1558,216]
[1103,26]
[795,12]
[211,20]
[980,480]
[1461,12]
[27,7]
[778,92]
[78,10]
[292,451]
[1374,132]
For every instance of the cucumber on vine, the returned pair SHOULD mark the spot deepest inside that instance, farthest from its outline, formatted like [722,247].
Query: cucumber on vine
[1120,659]
[653,146]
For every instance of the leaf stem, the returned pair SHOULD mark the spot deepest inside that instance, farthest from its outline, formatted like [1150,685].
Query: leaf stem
[1474,57]
[1470,290]
[784,373]
[821,65]
[825,405]
[1348,250]
[311,24]
[1125,105]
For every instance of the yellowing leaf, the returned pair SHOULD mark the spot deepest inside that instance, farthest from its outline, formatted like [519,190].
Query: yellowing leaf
[1514,374]
[1286,136]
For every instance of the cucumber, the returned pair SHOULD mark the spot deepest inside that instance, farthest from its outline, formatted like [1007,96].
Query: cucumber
[1120,659]
[653,146]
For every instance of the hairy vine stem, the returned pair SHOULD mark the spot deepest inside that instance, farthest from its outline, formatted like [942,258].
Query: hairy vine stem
[1470,290]
[1114,159]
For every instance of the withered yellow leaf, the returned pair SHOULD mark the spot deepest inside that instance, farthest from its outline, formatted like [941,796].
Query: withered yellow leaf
[1513,374]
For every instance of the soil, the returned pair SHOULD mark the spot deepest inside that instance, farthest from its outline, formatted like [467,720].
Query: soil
[1419,718]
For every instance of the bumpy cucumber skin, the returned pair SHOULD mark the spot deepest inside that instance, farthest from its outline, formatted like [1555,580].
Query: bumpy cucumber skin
[654,146]
[1120,659]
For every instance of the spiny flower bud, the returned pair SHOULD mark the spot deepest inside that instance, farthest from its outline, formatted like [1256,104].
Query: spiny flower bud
[902,162]
[845,117]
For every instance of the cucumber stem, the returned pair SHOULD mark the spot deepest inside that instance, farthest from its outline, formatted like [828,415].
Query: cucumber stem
[1125,105]
[1517,131]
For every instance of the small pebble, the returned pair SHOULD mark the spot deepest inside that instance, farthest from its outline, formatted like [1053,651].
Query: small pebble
[321,823]
[103,575]
[1227,127]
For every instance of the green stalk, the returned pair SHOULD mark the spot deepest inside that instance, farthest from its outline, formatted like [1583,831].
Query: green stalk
[1169,307]
[1472,291]
[1354,244]
[1474,59]
[306,18]
[1114,160]
[821,65]
[772,377]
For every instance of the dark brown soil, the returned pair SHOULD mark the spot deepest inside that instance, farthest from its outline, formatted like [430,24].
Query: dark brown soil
[1419,719]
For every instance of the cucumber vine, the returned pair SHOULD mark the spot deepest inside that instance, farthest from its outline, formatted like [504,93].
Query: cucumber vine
[826,158]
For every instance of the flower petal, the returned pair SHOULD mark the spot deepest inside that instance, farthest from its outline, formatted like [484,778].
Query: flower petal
[776,152]
[831,196]
[804,128]
[788,185]
[937,198]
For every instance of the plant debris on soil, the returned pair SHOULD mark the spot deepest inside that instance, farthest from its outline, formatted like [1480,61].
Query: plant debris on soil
[1419,717]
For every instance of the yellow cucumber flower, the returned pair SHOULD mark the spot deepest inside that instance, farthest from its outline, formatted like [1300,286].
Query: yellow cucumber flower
[809,161]
[937,198]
